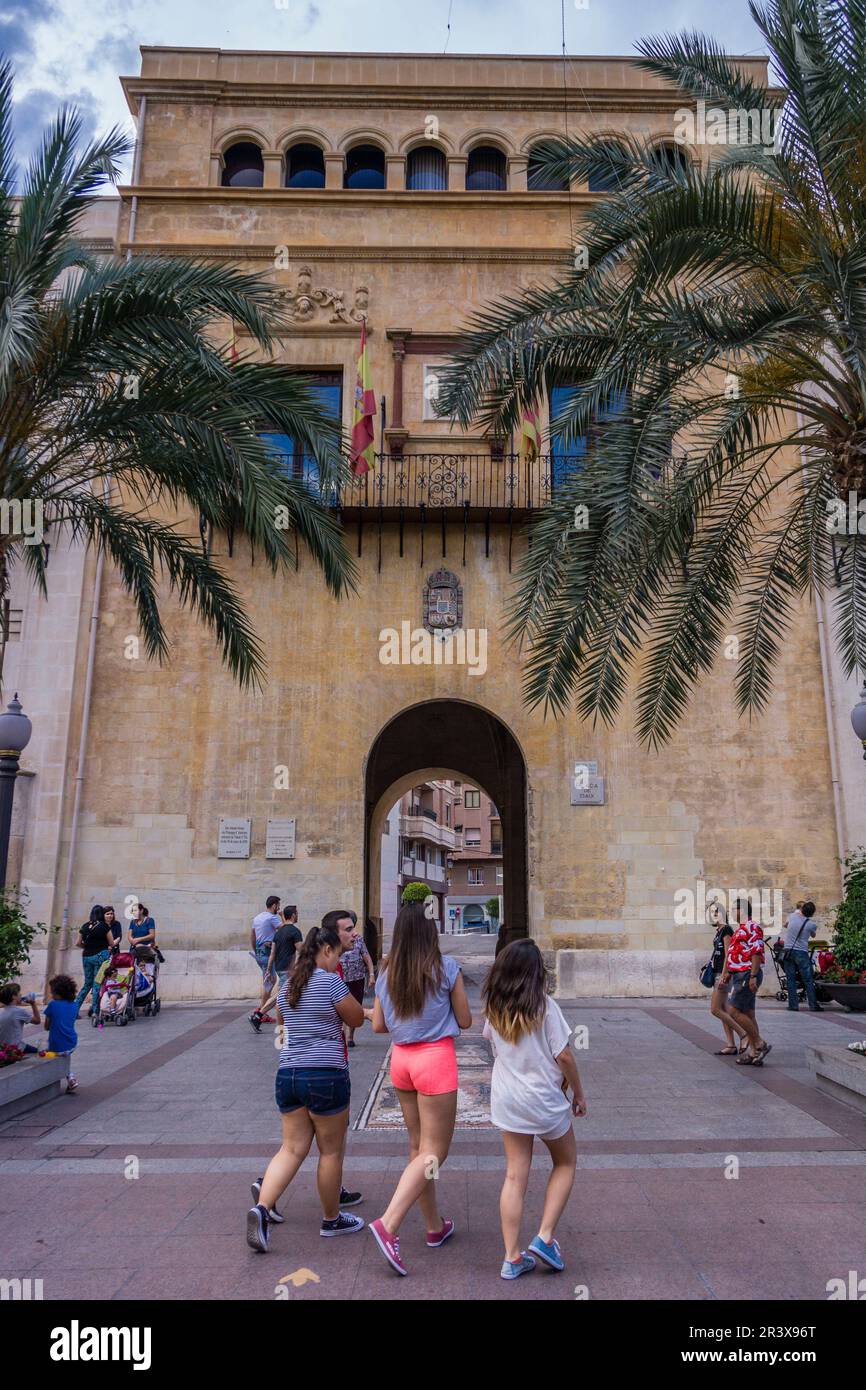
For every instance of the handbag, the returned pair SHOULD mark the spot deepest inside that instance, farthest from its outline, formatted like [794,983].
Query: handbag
[707,976]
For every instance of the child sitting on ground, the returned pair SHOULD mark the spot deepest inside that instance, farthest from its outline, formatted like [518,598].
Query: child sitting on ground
[532,1070]
[60,1016]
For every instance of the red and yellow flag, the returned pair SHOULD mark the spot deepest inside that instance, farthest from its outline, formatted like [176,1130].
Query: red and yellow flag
[362,455]
[530,435]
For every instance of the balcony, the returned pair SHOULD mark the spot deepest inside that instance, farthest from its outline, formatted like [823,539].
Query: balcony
[418,869]
[454,486]
[422,828]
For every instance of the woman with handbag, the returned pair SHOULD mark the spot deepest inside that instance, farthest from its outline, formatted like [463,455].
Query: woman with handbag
[712,977]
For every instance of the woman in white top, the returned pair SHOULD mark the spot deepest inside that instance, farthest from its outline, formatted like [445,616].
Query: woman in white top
[533,1069]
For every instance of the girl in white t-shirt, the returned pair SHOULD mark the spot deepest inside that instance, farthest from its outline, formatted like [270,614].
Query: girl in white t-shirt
[533,1069]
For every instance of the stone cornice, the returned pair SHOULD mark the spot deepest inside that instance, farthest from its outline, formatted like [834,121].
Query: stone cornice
[241,251]
[582,101]
[370,198]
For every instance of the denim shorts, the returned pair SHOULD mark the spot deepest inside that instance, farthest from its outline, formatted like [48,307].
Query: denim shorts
[321,1090]
[263,955]
[742,996]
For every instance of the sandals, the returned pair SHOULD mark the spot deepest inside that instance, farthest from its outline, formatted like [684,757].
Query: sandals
[726,1052]
[762,1053]
[744,1060]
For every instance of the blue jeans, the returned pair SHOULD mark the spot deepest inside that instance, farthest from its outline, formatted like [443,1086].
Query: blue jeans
[90,965]
[800,963]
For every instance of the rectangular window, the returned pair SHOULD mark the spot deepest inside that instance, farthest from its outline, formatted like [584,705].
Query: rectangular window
[471,799]
[568,458]
[327,388]
[473,839]
[500,876]
[431,394]
[476,876]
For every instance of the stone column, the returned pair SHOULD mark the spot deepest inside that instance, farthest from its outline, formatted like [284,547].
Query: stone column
[273,170]
[334,167]
[216,170]
[395,171]
[457,173]
[517,167]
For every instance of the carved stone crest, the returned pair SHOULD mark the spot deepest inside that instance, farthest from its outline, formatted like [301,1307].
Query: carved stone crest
[443,601]
[307,303]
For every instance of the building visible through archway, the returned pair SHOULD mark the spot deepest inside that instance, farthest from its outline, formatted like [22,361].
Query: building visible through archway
[451,739]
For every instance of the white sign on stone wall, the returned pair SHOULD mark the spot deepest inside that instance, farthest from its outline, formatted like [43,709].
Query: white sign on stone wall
[587,791]
[281,839]
[234,837]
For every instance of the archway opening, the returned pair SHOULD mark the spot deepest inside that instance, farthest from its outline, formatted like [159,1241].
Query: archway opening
[441,741]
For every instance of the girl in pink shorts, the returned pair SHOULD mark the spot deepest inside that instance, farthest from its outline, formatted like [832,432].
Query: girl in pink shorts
[421,1001]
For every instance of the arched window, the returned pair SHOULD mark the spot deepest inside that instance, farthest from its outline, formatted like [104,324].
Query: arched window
[538,179]
[486,170]
[243,166]
[305,167]
[365,167]
[672,158]
[426,169]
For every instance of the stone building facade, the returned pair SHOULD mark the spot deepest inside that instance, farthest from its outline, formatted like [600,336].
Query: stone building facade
[171,751]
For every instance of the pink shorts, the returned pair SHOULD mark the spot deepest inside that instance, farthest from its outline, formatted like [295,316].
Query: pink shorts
[427,1067]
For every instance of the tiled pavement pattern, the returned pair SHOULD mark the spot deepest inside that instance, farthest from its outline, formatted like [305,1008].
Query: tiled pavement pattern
[189,1095]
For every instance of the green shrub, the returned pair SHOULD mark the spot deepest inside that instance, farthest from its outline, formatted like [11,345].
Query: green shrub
[16,934]
[849,931]
[492,908]
[416,893]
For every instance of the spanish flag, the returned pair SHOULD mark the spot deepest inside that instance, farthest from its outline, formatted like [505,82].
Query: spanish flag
[362,454]
[530,435]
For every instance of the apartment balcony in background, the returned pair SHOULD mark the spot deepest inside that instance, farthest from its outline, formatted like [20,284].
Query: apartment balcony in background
[422,828]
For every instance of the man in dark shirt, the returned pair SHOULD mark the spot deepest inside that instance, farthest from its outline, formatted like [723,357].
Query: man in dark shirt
[286,940]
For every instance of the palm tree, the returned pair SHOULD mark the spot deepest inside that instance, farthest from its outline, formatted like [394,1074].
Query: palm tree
[723,310]
[118,405]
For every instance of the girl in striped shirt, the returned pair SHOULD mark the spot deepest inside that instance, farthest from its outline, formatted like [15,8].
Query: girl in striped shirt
[312,1084]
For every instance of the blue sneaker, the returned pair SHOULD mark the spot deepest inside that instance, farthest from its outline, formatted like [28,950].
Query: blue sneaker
[550,1254]
[512,1269]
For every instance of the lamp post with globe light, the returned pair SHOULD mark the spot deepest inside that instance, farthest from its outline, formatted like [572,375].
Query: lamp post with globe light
[858,719]
[15,731]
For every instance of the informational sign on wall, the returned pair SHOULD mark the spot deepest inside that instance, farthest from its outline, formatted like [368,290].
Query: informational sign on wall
[587,791]
[280,840]
[234,837]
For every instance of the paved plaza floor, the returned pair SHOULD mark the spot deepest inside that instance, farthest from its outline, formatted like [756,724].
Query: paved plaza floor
[186,1102]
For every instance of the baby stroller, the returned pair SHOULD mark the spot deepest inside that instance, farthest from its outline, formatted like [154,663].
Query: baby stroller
[146,977]
[117,992]
[777,953]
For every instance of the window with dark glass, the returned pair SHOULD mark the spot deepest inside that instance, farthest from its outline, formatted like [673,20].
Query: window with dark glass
[365,167]
[426,170]
[672,158]
[539,180]
[327,388]
[243,166]
[605,180]
[471,799]
[486,170]
[305,167]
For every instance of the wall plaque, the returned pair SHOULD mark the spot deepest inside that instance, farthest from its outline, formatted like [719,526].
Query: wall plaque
[280,840]
[234,837]
[587,792]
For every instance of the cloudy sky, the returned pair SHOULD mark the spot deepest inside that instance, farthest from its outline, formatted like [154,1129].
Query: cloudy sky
[73,50]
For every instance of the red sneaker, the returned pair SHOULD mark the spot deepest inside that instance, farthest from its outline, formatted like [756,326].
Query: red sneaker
[389,1245]
[436,1238]
[267,1018]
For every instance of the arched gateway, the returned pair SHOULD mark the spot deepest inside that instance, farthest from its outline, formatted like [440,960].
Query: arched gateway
[450,738]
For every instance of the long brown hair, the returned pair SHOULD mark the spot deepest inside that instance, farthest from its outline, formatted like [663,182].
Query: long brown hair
[305,961]
[515,991]
[415,961]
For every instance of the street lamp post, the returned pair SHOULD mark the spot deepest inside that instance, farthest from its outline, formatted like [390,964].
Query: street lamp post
[858,719]
[15,731]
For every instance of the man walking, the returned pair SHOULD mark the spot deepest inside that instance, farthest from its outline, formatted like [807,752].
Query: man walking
[797,958]
[744,968]
[281,960]
[262,933]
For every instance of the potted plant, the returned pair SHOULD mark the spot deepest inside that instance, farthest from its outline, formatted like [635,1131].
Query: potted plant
[845,979]
[16,934]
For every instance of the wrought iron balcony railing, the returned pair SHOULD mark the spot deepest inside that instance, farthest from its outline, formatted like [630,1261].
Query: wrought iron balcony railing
[455,483]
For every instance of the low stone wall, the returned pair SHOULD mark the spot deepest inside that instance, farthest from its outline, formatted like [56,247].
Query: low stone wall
[637,975]
[29,1083]
[839,1072]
